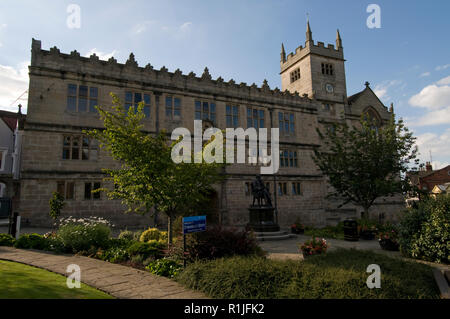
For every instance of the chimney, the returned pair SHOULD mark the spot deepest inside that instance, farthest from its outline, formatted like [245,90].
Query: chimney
[428,167]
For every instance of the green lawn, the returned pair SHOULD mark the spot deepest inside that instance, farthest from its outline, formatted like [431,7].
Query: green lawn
[20,281]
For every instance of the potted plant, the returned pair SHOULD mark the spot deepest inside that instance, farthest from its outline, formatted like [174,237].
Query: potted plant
[388,240]
[297,228]
[367,229]
[314,246]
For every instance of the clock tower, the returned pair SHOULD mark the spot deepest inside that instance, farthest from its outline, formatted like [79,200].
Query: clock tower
[316,70]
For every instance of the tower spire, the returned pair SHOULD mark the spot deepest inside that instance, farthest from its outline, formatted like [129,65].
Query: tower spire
[283,53]
[338,40]
[308,32]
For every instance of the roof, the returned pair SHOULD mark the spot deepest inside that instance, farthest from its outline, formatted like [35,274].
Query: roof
[10,118]
[354,97]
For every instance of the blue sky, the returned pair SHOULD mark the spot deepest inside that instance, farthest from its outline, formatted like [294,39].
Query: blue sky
[407,60]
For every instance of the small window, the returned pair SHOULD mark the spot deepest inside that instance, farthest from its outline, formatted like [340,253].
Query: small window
[255,118]
[232,115]
[3,159]
[205,111]
[286,123]
[82,98]
[282,189]
[296,190]
[79,147]
[89,188]
[173,107]
[248,189]
[295,75]
[66,189]
[134,98]
[327,69]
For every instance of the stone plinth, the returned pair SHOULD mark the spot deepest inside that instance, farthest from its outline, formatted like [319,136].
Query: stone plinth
[262,219]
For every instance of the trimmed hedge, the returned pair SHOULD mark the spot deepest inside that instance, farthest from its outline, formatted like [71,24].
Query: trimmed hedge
[6,240]
[218,242]
[338,274]
[32,241]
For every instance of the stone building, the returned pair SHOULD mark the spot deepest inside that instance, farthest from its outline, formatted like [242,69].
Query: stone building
[65,87]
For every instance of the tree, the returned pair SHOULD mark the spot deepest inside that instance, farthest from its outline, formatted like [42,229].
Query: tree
[366,162]
[147,176]
[56,205]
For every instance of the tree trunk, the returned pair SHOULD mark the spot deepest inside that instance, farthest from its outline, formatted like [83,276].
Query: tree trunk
[170,229]
[366,212]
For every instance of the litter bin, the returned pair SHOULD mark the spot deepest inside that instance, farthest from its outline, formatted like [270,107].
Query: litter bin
[351,230]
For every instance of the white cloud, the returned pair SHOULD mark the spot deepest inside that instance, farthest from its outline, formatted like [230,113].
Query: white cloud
[13,83]
[442,67]
[100,54]
[425,74]
[438,145]
[185,26]
[381,90]
[444,81]
[432,97]
[142,27]
[156,26]
[436,117]
[436,99]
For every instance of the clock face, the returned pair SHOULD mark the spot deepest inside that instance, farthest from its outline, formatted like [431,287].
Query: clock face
[329,87]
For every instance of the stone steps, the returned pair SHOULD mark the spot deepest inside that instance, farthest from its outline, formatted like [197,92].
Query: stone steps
[269,236]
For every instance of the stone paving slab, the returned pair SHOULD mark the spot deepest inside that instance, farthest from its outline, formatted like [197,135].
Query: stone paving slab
[116,280]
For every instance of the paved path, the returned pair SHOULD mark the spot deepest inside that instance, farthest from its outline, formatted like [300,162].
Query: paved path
[116,280]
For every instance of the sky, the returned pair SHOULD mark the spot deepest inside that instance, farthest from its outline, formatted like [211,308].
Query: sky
[406,60]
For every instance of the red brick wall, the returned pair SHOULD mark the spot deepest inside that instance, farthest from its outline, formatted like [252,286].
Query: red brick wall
[438,178]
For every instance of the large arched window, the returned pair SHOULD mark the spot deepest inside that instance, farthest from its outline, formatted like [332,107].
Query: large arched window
[374,118]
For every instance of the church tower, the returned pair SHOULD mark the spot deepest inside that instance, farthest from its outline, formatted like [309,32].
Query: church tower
[316,70]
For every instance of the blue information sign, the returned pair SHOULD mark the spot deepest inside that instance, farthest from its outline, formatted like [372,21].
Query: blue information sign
[194,224]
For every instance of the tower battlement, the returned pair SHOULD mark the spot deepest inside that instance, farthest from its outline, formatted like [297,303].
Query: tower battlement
[329,51]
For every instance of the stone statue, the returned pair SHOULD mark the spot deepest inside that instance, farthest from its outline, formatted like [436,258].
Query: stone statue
[260,193]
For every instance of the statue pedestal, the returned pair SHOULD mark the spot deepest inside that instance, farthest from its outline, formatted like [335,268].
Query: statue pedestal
[262,219]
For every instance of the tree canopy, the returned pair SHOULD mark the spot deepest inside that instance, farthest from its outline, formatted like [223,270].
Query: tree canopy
[366,162]
[147,175]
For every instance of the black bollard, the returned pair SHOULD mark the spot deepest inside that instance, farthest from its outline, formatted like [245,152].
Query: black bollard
[13,225]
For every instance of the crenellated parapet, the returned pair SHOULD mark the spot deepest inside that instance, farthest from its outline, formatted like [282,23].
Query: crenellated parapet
[130,71]
[329,51]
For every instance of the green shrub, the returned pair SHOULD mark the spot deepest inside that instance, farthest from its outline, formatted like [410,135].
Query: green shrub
[6,240]
[114,254]
[164,267]
[152,249]
[126,234]
[153,234]
[31,241]
[218,242]
[120,243]
[54,243]
[82,234]
[337,274]
[425,230]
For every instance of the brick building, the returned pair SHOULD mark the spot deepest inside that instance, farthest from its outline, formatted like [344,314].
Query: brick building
[427,179]
[65,87]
